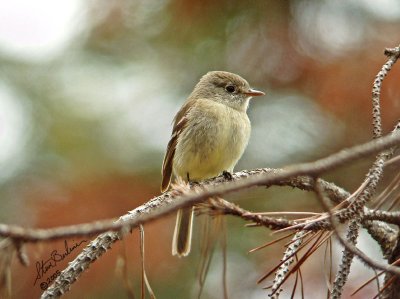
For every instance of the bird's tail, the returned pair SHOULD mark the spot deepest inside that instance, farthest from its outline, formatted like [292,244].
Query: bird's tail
[182,240]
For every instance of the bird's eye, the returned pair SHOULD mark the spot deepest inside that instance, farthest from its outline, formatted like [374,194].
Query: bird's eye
[230,88]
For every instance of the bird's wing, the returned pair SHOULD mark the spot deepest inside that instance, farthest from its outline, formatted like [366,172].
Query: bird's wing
[180,123]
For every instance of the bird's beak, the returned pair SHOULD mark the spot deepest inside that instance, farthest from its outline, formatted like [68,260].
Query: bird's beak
[254,93]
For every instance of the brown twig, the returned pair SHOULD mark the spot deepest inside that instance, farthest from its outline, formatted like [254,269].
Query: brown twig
[393,55]
[281,273]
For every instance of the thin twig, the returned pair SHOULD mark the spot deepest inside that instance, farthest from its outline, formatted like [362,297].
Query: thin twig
[362,256]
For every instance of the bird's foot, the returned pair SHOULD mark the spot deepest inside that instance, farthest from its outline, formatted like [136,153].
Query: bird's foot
[227,175]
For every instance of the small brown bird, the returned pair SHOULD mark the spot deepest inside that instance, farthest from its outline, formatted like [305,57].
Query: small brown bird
[210,133]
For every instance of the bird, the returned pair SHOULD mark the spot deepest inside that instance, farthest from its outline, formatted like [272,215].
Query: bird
[210,133]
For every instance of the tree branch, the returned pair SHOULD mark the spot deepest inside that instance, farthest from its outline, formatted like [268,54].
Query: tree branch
[171,201]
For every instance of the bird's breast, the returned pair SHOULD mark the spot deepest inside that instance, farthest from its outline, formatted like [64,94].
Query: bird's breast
[213,141]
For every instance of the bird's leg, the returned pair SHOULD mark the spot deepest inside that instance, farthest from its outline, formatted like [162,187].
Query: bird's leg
[227,175]
[191,183]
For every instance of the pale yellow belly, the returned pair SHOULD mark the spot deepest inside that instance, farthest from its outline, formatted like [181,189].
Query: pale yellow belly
[211,145]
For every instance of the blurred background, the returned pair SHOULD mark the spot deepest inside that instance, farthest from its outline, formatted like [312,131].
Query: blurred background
[88,90]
